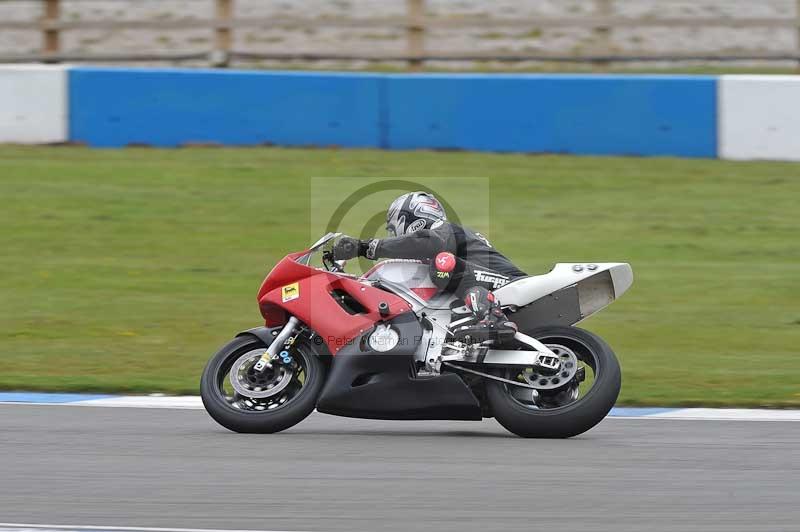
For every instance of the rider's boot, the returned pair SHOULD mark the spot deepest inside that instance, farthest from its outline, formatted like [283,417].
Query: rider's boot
[488,321]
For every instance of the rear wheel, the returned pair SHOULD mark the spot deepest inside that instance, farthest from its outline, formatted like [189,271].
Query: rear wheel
[245,400]
[564,407]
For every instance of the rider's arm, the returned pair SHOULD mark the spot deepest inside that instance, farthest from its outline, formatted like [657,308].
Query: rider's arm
[421,245]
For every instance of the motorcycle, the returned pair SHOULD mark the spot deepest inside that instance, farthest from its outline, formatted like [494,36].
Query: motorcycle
[380,346]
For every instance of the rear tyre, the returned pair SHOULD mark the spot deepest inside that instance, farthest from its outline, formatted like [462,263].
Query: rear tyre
[570,419]
[294,398]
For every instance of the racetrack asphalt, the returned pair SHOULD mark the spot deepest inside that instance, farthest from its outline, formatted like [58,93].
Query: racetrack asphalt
[176,468]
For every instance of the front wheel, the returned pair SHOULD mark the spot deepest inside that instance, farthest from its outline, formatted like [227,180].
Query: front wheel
[561,409]
[245,400]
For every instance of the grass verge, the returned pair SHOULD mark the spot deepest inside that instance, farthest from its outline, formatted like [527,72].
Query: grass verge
[124,270]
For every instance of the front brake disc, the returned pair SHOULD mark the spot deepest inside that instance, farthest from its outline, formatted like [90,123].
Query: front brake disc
[256,385]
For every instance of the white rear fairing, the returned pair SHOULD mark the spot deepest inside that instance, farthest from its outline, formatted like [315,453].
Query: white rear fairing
[583,289]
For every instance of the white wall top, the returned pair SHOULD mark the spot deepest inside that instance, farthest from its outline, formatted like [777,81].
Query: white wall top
[759,117]
[33,104]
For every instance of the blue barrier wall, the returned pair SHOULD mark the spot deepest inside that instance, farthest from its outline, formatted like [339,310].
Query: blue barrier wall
[641,115]
[584,114]
[170,107]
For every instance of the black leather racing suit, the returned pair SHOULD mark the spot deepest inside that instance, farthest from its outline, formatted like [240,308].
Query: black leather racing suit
[477,262]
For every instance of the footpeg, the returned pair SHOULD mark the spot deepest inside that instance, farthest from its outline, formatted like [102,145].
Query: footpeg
[461,352]
[453,352]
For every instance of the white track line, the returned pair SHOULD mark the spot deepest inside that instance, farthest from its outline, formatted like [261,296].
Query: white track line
[190,402]
[181,401]
[25,527]
[732,414]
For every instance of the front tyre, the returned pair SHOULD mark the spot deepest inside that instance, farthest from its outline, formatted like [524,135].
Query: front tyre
[568,410]
[243,400]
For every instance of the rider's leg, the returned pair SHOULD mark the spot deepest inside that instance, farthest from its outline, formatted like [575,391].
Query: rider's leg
[473,284]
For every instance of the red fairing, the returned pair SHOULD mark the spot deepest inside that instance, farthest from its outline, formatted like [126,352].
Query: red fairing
[285,272]
[425,293]
[305,292]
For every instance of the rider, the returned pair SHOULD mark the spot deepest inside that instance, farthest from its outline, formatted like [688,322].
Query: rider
[461,261]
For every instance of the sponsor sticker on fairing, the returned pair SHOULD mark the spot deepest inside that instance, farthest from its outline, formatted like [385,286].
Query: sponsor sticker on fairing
[290,292]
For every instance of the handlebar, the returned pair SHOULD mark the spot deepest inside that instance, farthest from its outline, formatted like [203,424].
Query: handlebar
[330,263]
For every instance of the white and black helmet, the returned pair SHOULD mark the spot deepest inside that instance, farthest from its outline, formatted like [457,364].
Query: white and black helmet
[412,212]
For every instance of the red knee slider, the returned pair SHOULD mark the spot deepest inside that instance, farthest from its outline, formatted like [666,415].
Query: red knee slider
[445,262]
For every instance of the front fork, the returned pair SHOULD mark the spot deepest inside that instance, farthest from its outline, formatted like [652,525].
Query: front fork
[273,351]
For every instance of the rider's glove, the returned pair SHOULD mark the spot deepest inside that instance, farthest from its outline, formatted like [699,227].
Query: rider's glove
[347,248]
